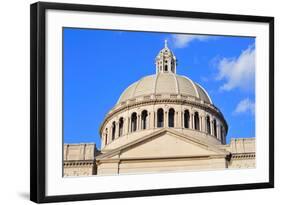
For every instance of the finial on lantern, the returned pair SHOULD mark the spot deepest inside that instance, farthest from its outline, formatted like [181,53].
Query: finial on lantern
[166,43]
[165,61]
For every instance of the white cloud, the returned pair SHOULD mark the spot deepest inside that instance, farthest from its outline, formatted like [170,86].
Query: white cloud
[245,105]
[238,72]
[182,40]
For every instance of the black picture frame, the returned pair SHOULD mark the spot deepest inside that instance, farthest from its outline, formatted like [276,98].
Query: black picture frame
[38,100]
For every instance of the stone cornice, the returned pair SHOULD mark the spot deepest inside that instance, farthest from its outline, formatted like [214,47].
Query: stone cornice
[210,108]
[153,159]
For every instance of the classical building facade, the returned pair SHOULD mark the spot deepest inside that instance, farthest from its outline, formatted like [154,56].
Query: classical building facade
[163,122]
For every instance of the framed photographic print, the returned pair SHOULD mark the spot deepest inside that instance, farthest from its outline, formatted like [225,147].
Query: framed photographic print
[129,102]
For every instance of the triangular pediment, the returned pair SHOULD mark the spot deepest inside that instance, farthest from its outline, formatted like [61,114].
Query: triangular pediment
[165,143]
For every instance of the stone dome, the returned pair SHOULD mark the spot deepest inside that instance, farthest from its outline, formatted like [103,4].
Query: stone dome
[164,100]
[165,83]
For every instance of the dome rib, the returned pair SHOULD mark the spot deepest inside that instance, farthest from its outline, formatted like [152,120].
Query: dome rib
[205,93]
[134,92]
[177,84]
[155,83]
[192,85]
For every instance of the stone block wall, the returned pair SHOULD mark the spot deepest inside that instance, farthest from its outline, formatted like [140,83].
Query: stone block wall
[79,159]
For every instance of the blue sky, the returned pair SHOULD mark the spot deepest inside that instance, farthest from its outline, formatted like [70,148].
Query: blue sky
[100,64]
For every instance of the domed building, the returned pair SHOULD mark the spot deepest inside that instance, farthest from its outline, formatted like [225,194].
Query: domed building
[167,122]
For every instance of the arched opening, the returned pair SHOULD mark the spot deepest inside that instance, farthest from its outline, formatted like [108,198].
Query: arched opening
[166,67]
[215,128]
[113,131]
[134,122]
[105,136]
[196,121]
[208,125]
[144,119]
[171,117]
[186,119]
[121,123]
[222,135]
[160,117]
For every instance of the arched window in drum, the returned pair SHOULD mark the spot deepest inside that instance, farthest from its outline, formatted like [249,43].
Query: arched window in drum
[186,119]
[113,131]
[160,117]
[171,122]
[196,121]
[208,125]
[134,122]
[121,123]
[144,119]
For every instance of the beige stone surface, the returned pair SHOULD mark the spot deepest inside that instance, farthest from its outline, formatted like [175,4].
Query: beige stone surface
[162,154]
[243,153]
[244,145]
[165,150]
[81,168]
[79,159]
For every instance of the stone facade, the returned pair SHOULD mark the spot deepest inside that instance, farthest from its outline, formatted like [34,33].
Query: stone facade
[163,122]
[240,153]
[80,159]
[243,153]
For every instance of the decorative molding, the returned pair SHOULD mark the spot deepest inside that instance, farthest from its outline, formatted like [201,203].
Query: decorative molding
[242,156]
[160,159]
[74,163]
